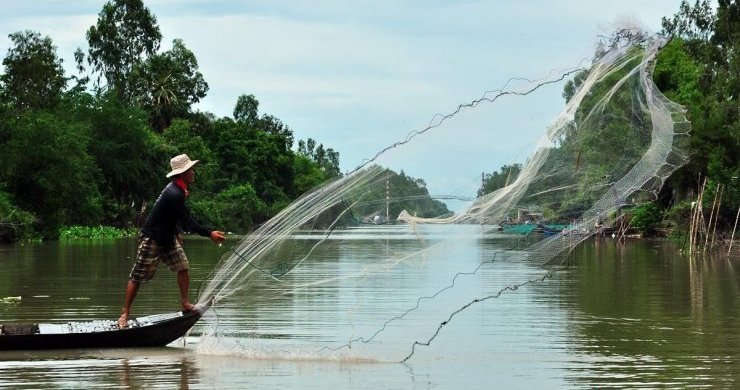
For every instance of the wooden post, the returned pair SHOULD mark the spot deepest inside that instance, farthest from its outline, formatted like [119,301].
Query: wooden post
[733,232]
[711,218]
[719,203]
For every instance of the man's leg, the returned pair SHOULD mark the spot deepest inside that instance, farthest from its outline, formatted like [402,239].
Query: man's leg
[131,289]
[147,259]
[183,281]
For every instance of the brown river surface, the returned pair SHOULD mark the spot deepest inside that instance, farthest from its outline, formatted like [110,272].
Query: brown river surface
[632,315]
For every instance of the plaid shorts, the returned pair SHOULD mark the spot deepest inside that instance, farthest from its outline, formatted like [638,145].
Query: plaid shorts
[148,256]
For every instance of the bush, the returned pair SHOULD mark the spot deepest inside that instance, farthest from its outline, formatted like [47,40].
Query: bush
[646,217]
[94,232]
[15,223]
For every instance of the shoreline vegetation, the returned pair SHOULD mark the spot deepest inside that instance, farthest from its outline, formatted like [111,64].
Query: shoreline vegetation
[84,155]
[95,232]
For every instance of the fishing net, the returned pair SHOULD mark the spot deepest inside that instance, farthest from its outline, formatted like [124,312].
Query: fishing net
[372,265]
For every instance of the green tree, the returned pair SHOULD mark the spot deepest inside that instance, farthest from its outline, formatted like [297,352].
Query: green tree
[235,209]
[246,110]
[45,165]
[307,174]
[701,70]
[276,127]
[646,217]
[257,152]
[128,154]
[326,159]
[34,77]
[168,84]
[571,86]
[126,34]
[499,179]
[15,224]
[694,23]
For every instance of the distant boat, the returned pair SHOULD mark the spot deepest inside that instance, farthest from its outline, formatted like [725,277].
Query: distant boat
[532,228]
[150,331]
[518,228]
[551,230]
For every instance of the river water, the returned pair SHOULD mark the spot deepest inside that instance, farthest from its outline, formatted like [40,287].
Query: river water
[612,315]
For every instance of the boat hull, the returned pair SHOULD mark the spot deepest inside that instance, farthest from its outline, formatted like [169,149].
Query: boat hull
[153,331]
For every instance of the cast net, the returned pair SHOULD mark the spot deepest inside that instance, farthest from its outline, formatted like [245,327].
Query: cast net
[374,264]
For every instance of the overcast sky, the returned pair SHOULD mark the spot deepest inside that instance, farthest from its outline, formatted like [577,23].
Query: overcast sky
[359,75]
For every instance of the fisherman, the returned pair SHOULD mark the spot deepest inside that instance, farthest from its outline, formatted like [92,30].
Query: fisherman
[160,238]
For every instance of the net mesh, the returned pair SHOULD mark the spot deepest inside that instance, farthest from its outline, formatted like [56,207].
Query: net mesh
[613,145]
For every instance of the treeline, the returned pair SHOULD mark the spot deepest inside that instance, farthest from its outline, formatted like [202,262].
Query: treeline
[392,194]
[700,69]
[93,148]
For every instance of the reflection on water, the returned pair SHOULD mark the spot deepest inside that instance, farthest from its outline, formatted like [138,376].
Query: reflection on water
[638,315]
[134,368]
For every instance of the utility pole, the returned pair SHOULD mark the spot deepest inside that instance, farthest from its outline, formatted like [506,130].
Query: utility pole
[387,201]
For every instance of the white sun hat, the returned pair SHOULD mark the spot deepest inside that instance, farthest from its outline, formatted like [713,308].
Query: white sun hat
[181,164]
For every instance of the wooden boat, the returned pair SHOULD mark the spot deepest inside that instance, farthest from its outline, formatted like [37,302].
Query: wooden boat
[551,230]
[150,331]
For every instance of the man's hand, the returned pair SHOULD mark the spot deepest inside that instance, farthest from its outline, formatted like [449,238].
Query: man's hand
[217,236]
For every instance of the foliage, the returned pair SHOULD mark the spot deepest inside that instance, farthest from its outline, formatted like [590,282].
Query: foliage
[126,33]
[571,86]
[34,77]
[128,154]
[677,215]
[97,232]
[246,110]
[15,224]
[249,155]
[677,74]
[327,159]
[499,179]
[694,23]
[236,209]
[646,217]
[700,69]
[307,174]
[45,165]
[168,84]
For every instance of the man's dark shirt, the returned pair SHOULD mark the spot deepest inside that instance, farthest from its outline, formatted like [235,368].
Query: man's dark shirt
[168,211]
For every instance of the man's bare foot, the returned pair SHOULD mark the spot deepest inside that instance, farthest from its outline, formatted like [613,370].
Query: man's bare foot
[187,307]
[123,321]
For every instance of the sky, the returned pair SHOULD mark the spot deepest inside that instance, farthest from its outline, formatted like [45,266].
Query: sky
[358,76]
